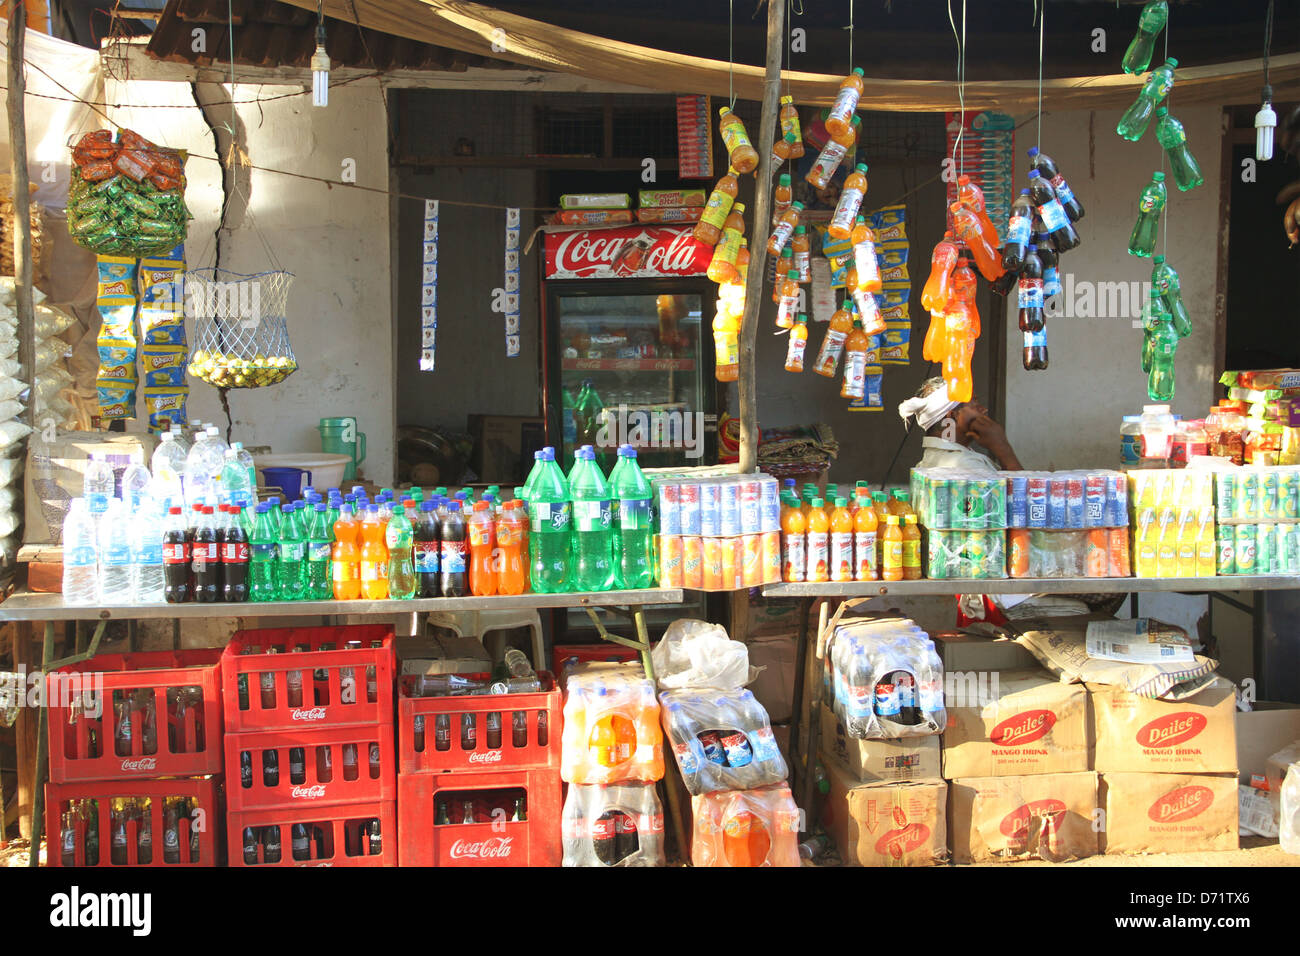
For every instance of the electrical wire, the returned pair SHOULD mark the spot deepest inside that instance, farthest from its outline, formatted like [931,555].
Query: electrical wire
[958,147]
[1042,19]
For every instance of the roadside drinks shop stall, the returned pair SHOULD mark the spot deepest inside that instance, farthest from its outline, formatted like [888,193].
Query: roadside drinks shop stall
[736,664]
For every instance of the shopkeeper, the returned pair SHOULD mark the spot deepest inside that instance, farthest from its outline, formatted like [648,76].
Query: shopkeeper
[952,427]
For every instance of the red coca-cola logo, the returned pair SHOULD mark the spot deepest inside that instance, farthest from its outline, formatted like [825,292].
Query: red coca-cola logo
[896,843]
[1023,728]
[487,756]
[631,251]
[314,792]
[493,848]
[234,553]
[1181,804]
[1017,822]
[139,764]
[309,713]
[176,553]
[1172,729]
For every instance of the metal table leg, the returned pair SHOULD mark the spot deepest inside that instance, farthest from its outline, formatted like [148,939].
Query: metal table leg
[800,651]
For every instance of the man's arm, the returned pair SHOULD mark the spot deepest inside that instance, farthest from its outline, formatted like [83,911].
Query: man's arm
[992,436]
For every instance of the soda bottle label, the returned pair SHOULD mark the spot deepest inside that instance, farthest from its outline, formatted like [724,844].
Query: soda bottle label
[818,555]
[846,102]
[634,514]
[549,516]
[865,263]
[717,209]
[786,311]
[204,553]
[234,552]
[1053,215]
[860,700]
[842,556]
[888,700]
[1051,282]
[847,208]
[1018,229]
[1063,191]
[453,557]
[780,236]
[292,550]
[726,350]
[1036,339]
[686,759]
[426,557]
[794,353]
[263,551]
[174,552]
[828,160]
[790,124]
[1031,293]
[795,557]
[855,375]
[374,571]
[480,535]
[592,515]
[829,356]
[733,134]
[865,545]
[803,262]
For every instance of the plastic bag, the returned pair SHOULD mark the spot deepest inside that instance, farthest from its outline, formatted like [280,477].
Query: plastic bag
[52,321]
[611,727]
[746,828]
[12,432]
[10,408]
[698,654]
[47,353]
[722,740]
[620,825]
[11,469]
[52,381]
[885,680]
[10,519]
[8,298]
[11,388]
[10,367]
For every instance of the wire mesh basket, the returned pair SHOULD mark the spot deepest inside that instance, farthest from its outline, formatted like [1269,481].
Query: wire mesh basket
[242,336]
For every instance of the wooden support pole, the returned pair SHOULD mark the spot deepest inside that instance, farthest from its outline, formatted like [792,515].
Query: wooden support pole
[22,202]
[758,239]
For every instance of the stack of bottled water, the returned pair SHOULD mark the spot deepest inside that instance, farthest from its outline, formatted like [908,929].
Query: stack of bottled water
[885,679]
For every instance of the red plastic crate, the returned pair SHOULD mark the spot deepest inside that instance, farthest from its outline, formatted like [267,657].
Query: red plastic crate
[319,702]
[336,834]
[538,736]
[531,842]
[185,737]
[205,820]
[584,653]
[324,779]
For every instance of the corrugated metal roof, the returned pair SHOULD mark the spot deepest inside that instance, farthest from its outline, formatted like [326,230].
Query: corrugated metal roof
[277,34]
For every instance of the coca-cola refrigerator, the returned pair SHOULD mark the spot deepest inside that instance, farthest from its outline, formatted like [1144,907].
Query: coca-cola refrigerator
[627,348]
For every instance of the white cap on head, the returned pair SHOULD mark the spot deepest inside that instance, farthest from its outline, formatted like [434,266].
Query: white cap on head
[930,404]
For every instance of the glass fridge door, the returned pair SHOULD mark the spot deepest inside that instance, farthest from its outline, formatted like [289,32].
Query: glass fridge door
[635,367]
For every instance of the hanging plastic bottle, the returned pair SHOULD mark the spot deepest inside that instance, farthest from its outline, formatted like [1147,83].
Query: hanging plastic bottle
[802,249]
[1034,357]
[1151,21]
[832,154]
[1137,117]
[740,154]
[1164,280]
[850,201]
[1151,201]
[789,305]
[967,226]
[935,294]
[709,229]
[722,267]
[1048,169]
[972,197]
[1164,345]
[784,229]
[797,345]
[1183,165]
[789,117]
[1019,228]
[1030,292]
[846,103]
[855,362]
[1055,222]
[866,264]
[837,332]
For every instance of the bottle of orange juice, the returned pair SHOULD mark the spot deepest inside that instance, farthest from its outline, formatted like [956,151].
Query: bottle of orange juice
[802,254]
[911,548]
[709,229]
[879,504]
[897,503]
[842,562]
[783,149]
[742,268]
[868,311]
[789,306]
[865,262]
[794,550]
[891,565]
[819,527]
[790,124]
[855,363]
[832,154]
[850,201]
[837,332]
[797,345]
[741,155]
[726,344]
[722,268]
[864,540]
[846,103]
[784,266]
[781,196]
[784,228]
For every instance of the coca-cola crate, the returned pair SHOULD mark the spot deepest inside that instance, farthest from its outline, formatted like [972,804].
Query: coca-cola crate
[180,821]
[339,765]
[338,686]
[339,835]
[493,839]
[585,653]
[438,734]
[133,716]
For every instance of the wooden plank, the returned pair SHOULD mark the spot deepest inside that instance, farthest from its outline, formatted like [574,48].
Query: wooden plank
[25,731]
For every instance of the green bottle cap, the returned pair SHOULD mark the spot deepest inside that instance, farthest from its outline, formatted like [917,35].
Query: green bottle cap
[785,179]
[796,205]
[818,503]
[860,484]
[841,502]
[1158,177]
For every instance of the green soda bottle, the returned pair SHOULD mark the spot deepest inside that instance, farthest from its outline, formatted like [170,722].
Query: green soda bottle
[320,535]
[592,525]
[1151,317]
[1136,118]
[1187,172]
[1165,280]
[634,539]
[1164,343]
[1152,20]
[550,513]
[1151,201]
[263,553]
[400,538]
[292,571]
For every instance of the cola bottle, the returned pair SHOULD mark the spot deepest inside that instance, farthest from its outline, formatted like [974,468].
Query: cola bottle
[1035,350]
[468,732]
[144,836]
[442,732]
[426,551]
[1047,168]
[246,770]
[519,728]
[206,560]
[1018,232]
[453,574]
[1055,222]
[417,733]
[466,812]
[297,765]
[604,837]
[117,853]
[1004,283]
[375,840]
[300,842]
[626,840]
[908,714]
[494,730]
[176,558]
[234,560]
[324,765]
[144,704]
[270,768]
[1030,291]
[271,844]
[122,728]
[195,836]
[375,766]
[250,846]
[171,833]
[68,840]
[350,770]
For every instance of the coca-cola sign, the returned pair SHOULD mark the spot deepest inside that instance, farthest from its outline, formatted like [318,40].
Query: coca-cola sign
[309,713]
[493,848]
[139,764]
[485,756]
[314,792]
[628,252]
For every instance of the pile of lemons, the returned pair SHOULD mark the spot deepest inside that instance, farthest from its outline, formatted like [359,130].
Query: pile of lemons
[232,371]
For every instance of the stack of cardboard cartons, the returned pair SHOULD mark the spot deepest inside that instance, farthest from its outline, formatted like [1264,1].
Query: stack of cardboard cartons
[1168,770]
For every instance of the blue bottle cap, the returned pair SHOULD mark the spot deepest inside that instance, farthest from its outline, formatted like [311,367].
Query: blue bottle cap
[489,497]
[1033,174]
[346,509]
[548,454]
[273,501]
[1032,151]
[1025,192]
[427,506]
[586,453]
[308,491]
[358,489]
[1032,248]
[453,506]
[287,509]
[372,509]
[320,507]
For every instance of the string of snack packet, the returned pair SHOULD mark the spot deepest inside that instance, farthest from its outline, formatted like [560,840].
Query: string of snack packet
[429,289]
[511,286]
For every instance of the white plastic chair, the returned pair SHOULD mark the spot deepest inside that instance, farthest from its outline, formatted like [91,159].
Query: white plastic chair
[481,624]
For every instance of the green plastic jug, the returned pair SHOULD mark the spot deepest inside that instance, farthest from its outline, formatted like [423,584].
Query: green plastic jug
[339,436]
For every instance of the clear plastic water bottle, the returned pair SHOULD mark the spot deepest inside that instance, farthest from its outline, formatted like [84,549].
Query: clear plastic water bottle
[80,561]
[147,553]
[246,460]
[550,518]
[593,531]
[178,435]
[234,478]
[634,539]
[136,482]
[97,485]
[168,466]
[115,556]
[199,473]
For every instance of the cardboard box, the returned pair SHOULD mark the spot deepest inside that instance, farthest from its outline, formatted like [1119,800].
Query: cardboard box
[966,652]
[1137,734]
[1034,724]
[441,655]
[54,472]
[888,824]
[873,761]
[1262,732]
[499,445]
[1169,812]
[1048,816]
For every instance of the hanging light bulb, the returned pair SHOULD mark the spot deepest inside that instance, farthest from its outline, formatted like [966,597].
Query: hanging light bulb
[320,67]
[1265,123]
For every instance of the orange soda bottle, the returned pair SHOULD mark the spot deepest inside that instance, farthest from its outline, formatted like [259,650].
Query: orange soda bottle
[740,154]
[789,307]
[935,294]
[935,339]
[850,201]
[794,550]
[802,254]
[865,523]
[344,555]
[742,267]
[374,557]
[482,541]
[855,362]
[911,548]
[797,345]
[709,229]
[832,154]
[603,741]
[784,229]
[726,343]
[783,149]
[784,266]
[891,565]
[865,263]
[789,117]
[846,103]
[972,197]
[511,577]
[782,194]
[842,561]
[967,226]
[837,332]
[722,267]
[819,528]
[867,310]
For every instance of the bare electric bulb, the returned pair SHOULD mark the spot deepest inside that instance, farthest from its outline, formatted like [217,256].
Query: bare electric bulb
[1265,123]
[320,76]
